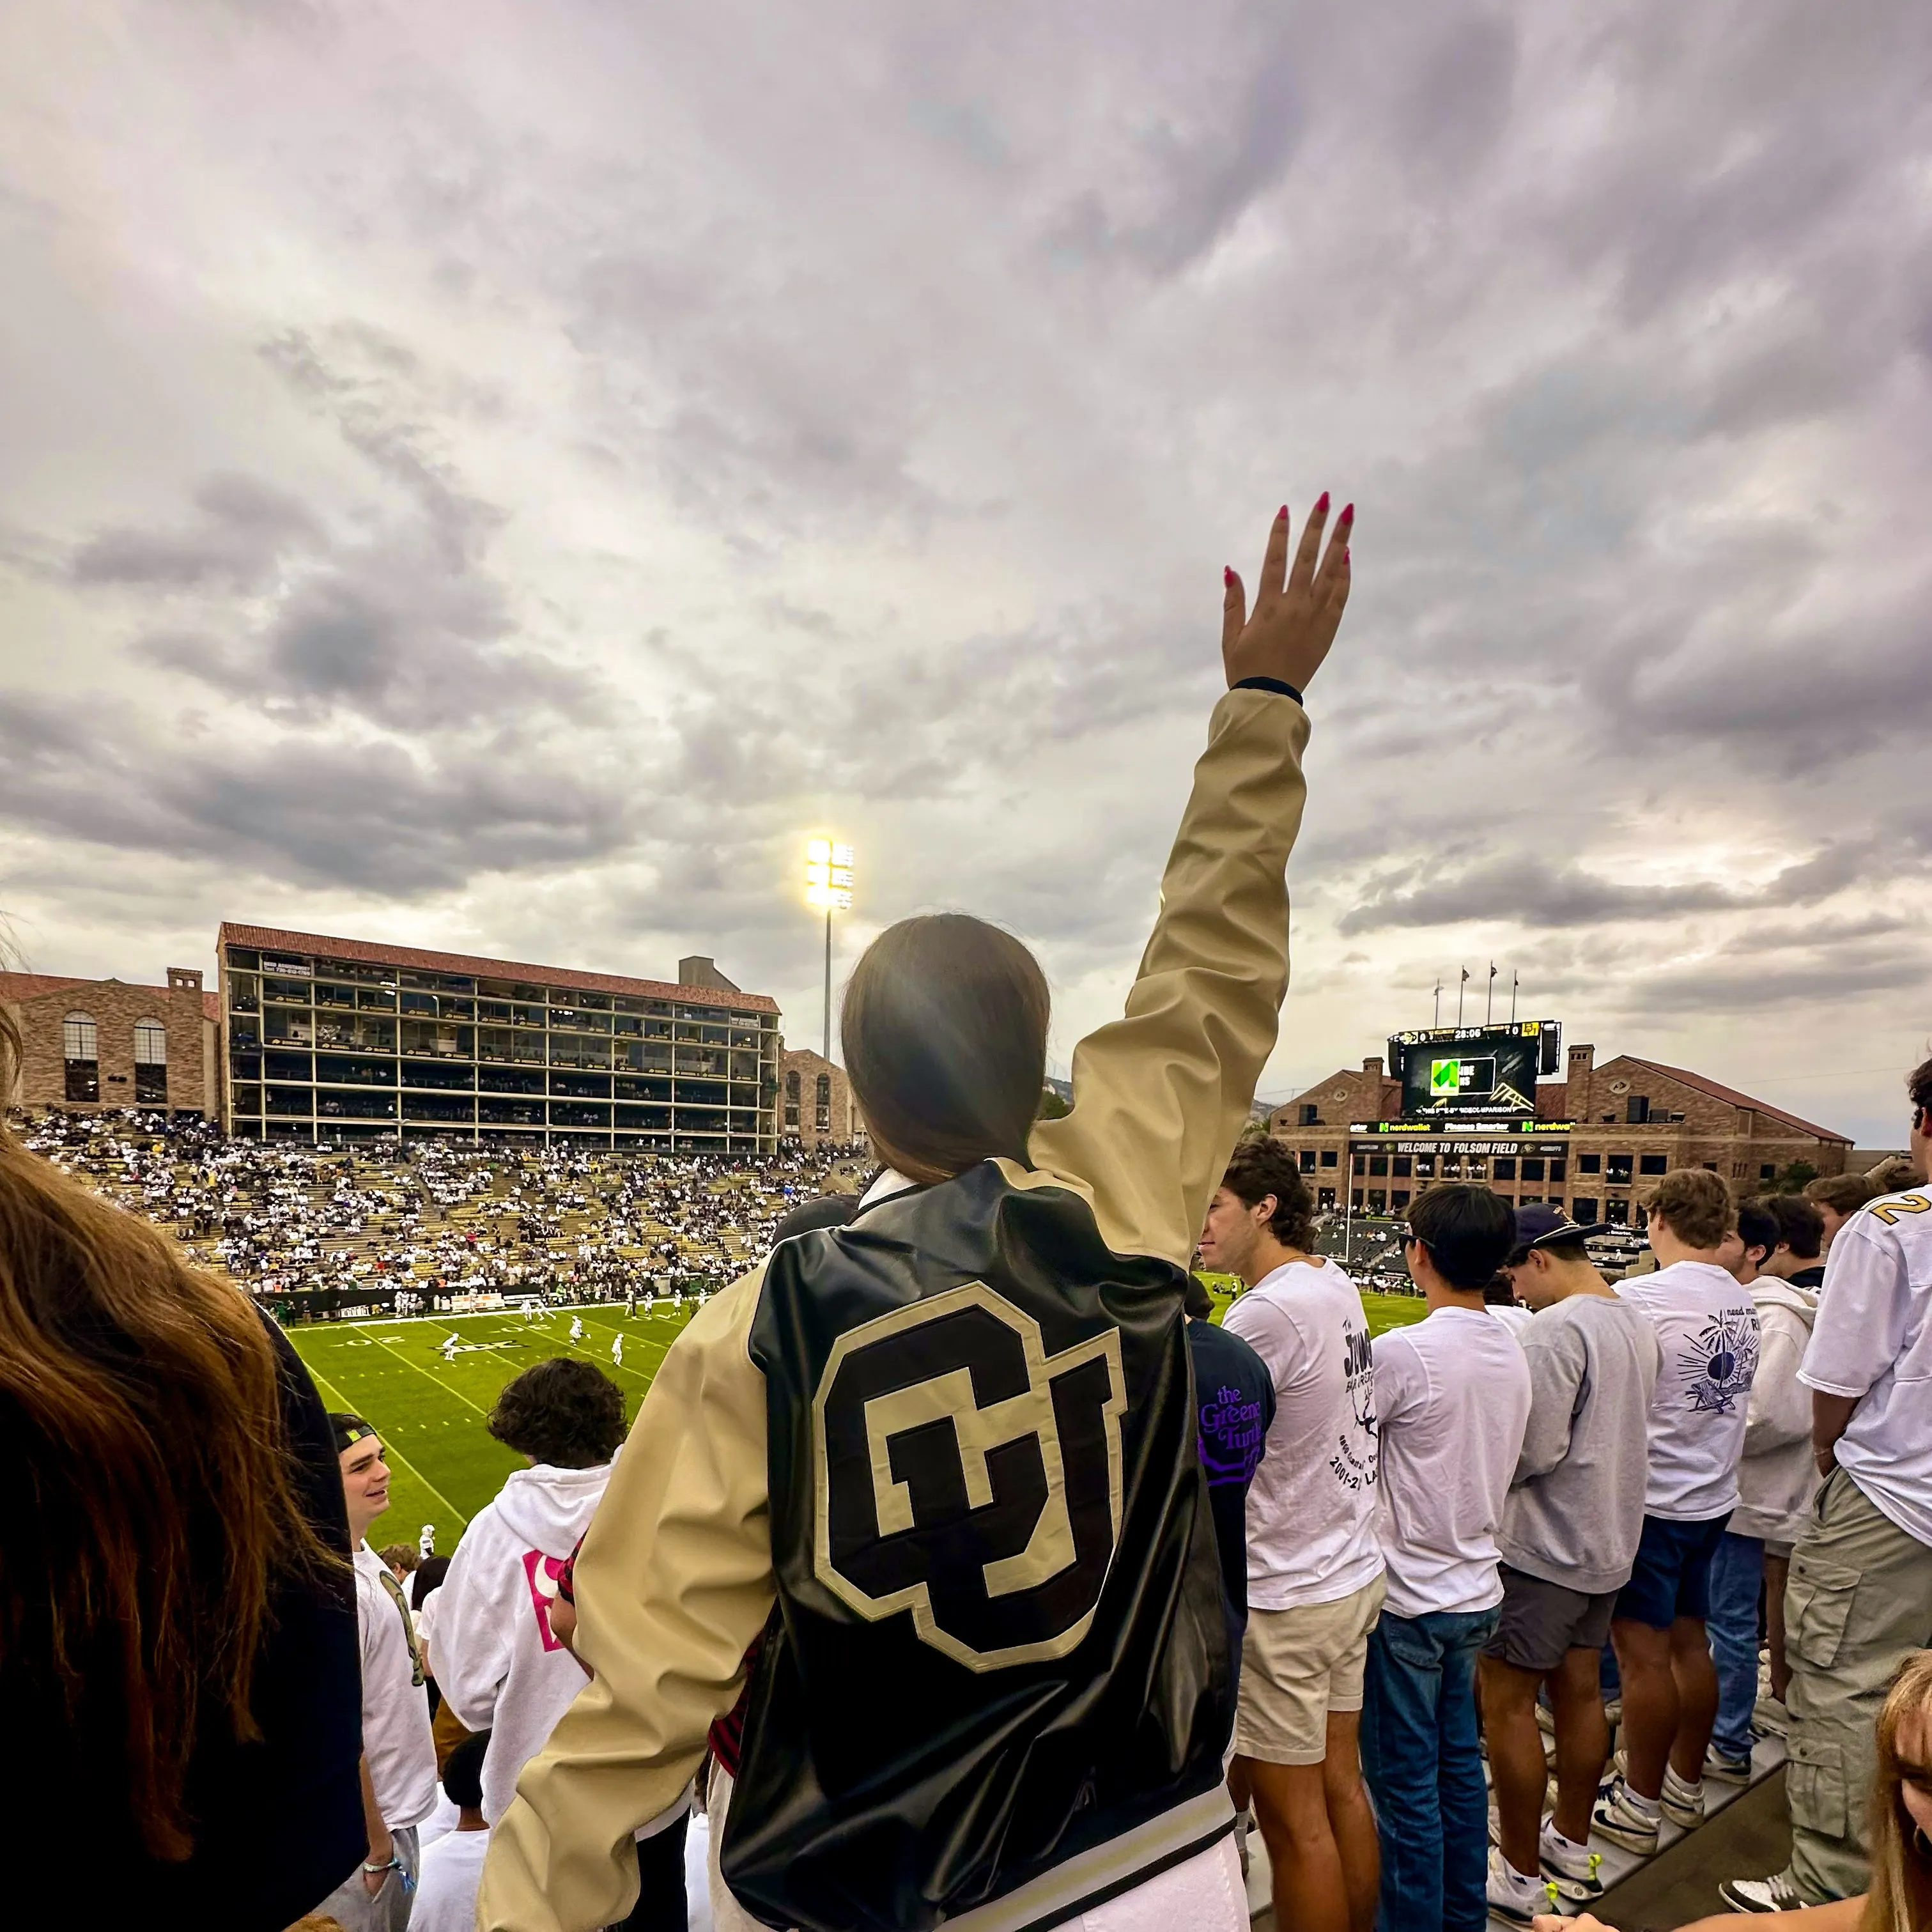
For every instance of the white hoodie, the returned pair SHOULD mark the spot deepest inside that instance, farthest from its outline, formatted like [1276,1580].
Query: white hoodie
[495,1659]
[1778,1479]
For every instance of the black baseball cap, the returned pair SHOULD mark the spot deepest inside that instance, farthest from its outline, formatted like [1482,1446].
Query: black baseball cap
[1544,1222]
[349,1429]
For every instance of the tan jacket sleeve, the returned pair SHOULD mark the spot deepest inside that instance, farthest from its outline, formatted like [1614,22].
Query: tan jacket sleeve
[1160,1095]
[673,1582]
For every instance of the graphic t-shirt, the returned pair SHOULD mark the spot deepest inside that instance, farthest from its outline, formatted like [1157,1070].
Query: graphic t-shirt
[1234,1400]
[1311,1506]
[1707,1326]
[1872,1339]
[1452,1400]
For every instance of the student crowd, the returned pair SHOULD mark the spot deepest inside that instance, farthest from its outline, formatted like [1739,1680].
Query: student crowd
[973,1585]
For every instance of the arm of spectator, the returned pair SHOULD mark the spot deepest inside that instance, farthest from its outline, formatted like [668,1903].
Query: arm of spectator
[672,1582]
[1556,1366]
[1859,1329]
[1160,1093]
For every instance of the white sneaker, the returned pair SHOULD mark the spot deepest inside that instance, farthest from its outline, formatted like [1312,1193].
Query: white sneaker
[1512,1896]
[1574,1870]
[1681,1802]
[1619,1817]
[1725,1768]
[1775,1894]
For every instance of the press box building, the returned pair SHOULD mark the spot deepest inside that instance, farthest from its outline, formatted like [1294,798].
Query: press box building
[341,1040]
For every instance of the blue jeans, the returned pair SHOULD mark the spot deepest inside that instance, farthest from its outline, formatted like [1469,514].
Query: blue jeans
[1737,1579]
[1424,1768]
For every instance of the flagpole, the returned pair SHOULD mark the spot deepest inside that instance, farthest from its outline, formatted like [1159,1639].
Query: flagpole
[1489,1003]
[1437,1020]
[1512,980]
[1462,985]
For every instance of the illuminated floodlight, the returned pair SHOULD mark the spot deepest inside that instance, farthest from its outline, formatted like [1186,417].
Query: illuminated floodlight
[828,876]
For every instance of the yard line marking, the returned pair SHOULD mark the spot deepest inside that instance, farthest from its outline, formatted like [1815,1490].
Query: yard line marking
[392,1347]
[389,1454]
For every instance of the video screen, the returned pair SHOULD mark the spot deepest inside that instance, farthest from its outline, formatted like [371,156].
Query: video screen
[1473,1072]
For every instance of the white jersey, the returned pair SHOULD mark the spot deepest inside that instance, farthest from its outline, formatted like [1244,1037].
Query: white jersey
[617,1350]
[576,1329]
[1872,1339]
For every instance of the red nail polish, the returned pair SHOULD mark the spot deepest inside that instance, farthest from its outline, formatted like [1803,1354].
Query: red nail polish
[1348,513]
[1281,515]
[1322,504]
[1228,576]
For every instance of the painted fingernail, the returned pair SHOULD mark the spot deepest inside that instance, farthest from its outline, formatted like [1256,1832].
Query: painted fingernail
[1281,515]
[1347,513]
[1228,576]
[1322,504]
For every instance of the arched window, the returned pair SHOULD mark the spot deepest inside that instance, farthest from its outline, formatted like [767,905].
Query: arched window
[80,1051]
[151,1064]
[791,1098]
[822,1112]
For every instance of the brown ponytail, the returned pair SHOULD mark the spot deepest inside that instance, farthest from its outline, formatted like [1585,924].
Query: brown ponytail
[148,1508]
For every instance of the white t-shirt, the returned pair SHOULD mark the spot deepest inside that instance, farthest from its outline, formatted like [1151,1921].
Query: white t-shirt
[1872,1339]
[1707,1326]
[451,1870]
[396,1735]
[1452,1401]
[1311,1505]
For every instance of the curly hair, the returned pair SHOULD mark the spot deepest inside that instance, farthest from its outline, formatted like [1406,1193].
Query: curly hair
[563,1412]
[1261,1166]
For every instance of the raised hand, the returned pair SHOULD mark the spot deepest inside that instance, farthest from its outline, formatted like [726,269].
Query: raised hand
[1296,611]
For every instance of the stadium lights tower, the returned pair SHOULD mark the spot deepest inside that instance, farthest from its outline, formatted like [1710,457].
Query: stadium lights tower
[828,885]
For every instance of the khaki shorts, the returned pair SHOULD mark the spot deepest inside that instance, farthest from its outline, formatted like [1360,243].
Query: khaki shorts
[1298,1665]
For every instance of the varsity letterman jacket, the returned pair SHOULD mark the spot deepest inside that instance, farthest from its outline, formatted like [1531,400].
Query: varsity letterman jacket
[944,1458]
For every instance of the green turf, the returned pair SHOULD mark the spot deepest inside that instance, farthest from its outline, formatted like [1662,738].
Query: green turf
[444,1465]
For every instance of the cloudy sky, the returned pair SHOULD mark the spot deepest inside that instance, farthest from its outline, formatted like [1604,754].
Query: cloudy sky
[497,476]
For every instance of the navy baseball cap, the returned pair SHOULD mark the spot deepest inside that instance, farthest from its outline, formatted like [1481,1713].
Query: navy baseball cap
[1544,1221]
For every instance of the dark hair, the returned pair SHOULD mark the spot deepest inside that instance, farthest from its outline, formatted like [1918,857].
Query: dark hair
[1499,1292]
[1918,1086]
[1466,1229]
[1262,1166]
[1757,1225]
[462,1771]
[1801,1227]
[1196,1300]
[139,1583]
[563,1412]
[428,1580]
[1694,1205]
[1571,1248]
[822,1211]
[944,1026]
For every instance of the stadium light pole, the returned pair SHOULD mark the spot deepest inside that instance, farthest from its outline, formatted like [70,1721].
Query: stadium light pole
[828,885]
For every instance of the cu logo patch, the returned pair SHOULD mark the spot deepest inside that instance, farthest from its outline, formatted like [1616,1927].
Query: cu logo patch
[966,1475]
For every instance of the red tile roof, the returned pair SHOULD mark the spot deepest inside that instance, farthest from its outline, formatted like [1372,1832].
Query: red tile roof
[1718,1091]
[272,939]
[16,986]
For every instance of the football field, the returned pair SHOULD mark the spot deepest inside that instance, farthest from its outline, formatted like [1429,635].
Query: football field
[444,1464]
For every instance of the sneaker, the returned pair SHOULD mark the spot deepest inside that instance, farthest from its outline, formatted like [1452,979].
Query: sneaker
[1619,1816]
[1512,1896]
[1682,1803]
[1775,1894]
[1725,1768]
[1574,1870]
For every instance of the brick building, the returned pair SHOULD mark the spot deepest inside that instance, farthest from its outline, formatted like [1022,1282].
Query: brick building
[97,1045]
[815,1103]
[1600,1135]
[341,1040]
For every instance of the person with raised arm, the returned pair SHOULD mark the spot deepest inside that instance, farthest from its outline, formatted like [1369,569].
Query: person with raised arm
[945,1456]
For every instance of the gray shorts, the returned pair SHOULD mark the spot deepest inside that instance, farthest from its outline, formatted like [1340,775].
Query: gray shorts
[1541,1621]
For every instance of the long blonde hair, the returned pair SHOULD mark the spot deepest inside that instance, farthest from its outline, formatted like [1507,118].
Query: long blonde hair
[1900,1899]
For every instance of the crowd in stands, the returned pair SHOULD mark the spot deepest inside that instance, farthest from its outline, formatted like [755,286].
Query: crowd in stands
[312,1229]
[957,1569]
